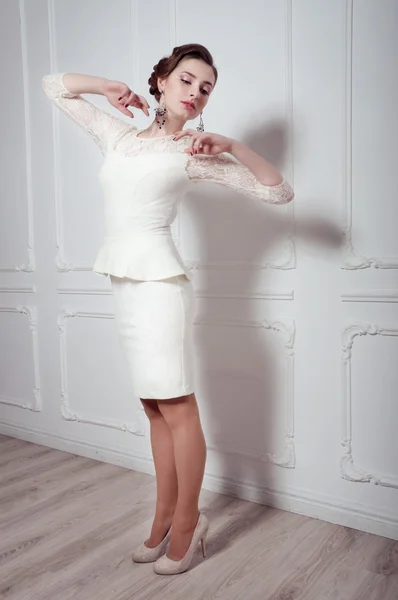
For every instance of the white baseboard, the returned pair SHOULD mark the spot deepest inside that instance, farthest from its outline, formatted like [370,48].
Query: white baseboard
[137,462]
[304,502]
[332,510]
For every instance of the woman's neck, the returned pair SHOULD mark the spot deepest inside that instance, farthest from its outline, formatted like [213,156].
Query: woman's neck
[170,127]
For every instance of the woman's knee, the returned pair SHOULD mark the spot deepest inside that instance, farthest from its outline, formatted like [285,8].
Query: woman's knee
[176,411]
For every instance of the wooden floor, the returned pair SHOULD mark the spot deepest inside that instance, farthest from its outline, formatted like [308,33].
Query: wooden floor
[68,525]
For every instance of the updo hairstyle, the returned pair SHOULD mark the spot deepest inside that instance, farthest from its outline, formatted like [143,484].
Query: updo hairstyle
[167,64]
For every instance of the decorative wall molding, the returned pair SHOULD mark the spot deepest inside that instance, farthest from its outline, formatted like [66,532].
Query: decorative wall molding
[5,289]
[137,429]
[135,48]
[286,261]
[247,295]
[173,24]
[30,264]
[270,295]
[36,403]
[60,261]
[351,260]
[347,467]
[287,330]
[370,296]
[84,291]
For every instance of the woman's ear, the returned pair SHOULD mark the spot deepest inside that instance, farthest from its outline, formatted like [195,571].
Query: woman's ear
[160,83]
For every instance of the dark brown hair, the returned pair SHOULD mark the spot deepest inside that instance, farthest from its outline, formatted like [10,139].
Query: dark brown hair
[167,64]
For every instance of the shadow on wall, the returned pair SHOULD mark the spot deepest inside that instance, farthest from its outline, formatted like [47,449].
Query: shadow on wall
[242,371]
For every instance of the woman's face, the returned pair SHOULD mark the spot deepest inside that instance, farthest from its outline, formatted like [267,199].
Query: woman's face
[187,89]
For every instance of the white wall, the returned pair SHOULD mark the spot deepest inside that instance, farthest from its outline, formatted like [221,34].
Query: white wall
[296,336]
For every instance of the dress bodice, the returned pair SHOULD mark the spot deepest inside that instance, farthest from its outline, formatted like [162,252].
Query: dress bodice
[143,180]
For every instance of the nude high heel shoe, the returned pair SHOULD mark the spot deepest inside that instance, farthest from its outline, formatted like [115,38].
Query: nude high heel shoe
[143,554]
[165,566]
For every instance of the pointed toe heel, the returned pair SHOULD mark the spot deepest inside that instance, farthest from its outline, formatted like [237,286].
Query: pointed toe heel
[143,554]
[165,566]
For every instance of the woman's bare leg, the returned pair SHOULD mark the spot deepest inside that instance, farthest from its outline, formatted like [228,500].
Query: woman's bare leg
[166,474]
[182,418]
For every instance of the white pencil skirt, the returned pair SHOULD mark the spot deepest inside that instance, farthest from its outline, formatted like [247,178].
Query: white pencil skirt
[154,321]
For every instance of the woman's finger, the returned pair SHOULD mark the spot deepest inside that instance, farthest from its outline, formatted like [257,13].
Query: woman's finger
[202,148]
[144,108]
[194,144]
[137,102]
[127,112]
[124,109]
[189,149]
[132,99]
[197,143]
[144,105]
[194,141]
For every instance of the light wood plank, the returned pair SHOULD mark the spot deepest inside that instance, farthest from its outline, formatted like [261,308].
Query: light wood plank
[68,525]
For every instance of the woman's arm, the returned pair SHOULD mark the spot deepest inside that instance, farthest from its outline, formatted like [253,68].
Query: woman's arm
[64,90]
[230,163]
[264,172]
[227,171]
[77,83]
[117,93]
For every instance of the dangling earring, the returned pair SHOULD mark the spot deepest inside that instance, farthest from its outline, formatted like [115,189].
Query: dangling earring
[160,112]
[200,127]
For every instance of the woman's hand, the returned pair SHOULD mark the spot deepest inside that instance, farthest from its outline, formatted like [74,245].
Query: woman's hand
[205,143]
[120,96]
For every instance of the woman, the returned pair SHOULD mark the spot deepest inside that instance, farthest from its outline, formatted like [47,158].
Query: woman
[144,175]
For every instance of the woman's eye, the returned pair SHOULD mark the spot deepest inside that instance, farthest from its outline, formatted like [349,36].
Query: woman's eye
[189,83]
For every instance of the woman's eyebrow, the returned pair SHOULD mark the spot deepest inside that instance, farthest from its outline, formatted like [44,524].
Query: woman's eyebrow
[192,75]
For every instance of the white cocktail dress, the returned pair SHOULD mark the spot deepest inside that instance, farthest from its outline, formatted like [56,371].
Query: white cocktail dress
[143,181]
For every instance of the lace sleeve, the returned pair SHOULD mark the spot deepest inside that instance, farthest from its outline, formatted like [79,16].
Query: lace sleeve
[226,170]
[100,125]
